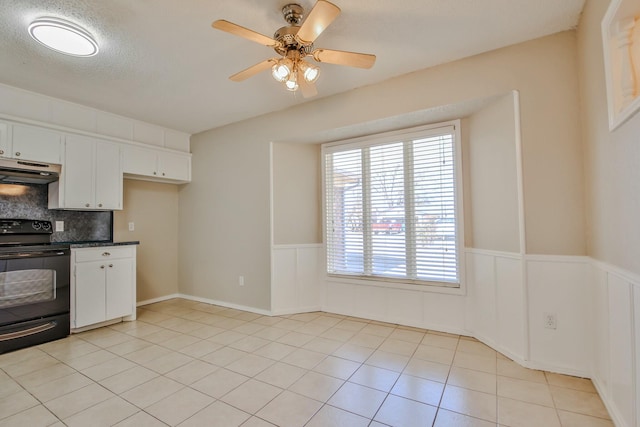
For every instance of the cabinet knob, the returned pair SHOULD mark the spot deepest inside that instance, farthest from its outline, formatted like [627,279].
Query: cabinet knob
[99,205]
[86,205]
[105,254]
[110,265]
[17,154]
[162,173]
[1,152]
[102,266]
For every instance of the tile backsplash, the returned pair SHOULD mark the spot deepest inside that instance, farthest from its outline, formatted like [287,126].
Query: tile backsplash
[30,202]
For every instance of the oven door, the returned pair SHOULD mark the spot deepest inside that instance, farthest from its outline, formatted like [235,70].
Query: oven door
[33,285]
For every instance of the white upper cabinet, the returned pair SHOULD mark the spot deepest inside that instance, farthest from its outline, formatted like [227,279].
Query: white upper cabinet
[108,176]
[156,165]
[5,148]
[36,144]
[91,176]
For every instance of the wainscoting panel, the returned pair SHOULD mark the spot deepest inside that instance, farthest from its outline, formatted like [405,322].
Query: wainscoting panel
[616,327]
[481,276]
[511,313]
[295,284]
[559,286]
[621,348]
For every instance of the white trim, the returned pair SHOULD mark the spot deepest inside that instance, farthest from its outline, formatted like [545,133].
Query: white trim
[618,271]
[225,304]
[522,226]
[299,310]
[300,246]
[158,299]
[557,258]
[397,284]
[493,253]
[611,409]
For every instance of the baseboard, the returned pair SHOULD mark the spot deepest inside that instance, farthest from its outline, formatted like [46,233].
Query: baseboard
[287,311]
[225,304]
[159,299]
[611,408]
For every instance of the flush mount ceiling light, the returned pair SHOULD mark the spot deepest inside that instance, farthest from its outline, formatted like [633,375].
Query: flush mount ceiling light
[63,36]
[295,42]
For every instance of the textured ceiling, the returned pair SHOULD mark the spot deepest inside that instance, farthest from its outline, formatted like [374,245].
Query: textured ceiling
[161,62]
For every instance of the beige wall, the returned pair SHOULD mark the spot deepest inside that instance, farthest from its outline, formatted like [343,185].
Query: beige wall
[296,194]
[153,208]
[492,185]
[612,160]
[225,225]
[225,212]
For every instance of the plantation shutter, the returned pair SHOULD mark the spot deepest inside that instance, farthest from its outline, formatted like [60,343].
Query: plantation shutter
[390,207]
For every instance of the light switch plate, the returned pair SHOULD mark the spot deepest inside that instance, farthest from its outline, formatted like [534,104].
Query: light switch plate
[59,225]
[132,226]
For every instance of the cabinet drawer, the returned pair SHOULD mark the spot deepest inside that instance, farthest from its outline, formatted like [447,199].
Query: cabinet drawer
[103,253]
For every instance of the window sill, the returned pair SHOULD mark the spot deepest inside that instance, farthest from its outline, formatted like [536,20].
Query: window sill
[389,283]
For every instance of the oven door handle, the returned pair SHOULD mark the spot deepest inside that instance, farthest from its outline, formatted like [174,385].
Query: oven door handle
[22,255]
[25,333]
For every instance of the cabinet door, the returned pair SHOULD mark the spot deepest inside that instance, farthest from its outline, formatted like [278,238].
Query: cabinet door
[5,149]
[174,166]
[40,145]
[108,176]
[139,161]
[77,171]
[119,288]
[90,303]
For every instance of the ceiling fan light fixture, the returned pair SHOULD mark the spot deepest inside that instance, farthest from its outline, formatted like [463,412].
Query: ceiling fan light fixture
[63,36]
[309,72]
[282,70]
[292,83]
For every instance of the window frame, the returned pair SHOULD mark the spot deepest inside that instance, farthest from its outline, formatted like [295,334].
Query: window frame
[390,137]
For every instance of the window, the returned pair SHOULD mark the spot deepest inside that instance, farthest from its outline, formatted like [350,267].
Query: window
[391,206]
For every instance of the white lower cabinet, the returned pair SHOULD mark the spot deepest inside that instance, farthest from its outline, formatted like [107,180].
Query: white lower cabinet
[103,285]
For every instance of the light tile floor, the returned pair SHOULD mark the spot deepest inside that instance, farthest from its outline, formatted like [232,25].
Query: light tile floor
[192,364]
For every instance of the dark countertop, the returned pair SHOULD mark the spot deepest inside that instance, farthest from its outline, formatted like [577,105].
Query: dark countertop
[78,245]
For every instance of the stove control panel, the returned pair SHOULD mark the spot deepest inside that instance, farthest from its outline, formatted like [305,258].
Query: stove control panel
[25,226]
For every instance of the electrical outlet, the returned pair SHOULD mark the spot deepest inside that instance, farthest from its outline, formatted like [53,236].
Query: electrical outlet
[550,321]
[132,226]
[241,280]
[59,225]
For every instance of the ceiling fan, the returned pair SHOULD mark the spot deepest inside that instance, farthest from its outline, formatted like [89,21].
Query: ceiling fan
[294,43]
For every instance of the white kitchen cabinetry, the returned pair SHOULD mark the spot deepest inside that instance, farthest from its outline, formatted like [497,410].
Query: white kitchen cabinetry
[103,285]
[35,144]
[91,176]
[5,148]
[156,165]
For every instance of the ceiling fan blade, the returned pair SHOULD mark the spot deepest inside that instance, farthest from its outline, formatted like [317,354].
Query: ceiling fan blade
[241,31]
[253,70]
[339,57]
[308,89]
[320,17]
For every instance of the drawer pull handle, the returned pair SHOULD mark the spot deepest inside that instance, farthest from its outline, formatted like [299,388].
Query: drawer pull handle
[27,332]
[102,266]
[110,265]
[106,254]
